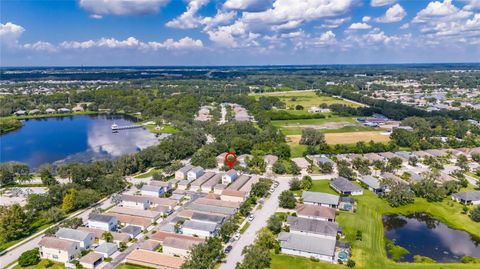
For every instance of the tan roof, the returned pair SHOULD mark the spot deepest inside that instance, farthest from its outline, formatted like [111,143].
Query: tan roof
[91,258]
[120,236]
[149,245]
[56,243]
[215,202]
[98,232]
[180,243]
[135,212]
[204,178]
[155,200]
[316,211]
[154,259]
[212,195]
[187,213]
[139,221]
[160,236]
[239,182]
[233,193]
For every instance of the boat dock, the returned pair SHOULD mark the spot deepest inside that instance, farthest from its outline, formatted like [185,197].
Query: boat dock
[115,127]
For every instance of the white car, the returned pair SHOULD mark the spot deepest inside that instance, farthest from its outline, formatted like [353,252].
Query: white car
[236,236]
[251,217]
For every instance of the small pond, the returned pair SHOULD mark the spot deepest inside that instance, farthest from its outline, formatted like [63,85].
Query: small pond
[423,235]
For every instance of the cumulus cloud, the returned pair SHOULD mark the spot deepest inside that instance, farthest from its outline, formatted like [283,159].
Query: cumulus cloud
[472,5]
[395,13]
[133,43]
[359,26]
[327,38]
[334,23]
[40,46]
[381,3]
[248,5]
[366,18]
[99,8]
[188,19]
[10,33]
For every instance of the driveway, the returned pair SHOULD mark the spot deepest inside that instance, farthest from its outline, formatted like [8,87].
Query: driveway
[261,217]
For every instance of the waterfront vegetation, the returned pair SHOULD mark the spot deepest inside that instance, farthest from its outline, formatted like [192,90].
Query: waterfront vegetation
[370,252]
[9,124]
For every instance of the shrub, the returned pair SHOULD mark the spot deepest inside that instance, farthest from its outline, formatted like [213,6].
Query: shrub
[29,257]
[351,263]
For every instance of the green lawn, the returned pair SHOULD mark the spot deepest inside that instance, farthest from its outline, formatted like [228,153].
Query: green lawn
[130,266]
[42,265]
[370,252]
[147,174]
[245,227]
[295,127]
[168,129]
[305,99]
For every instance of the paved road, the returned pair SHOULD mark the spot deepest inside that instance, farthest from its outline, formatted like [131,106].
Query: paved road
[224,114]
[32,242]
[261,217]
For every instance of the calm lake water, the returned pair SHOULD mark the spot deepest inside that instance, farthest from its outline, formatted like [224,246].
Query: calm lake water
[74,138]
[422,235]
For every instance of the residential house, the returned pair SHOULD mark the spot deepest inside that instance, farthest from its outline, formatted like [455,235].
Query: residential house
[269,161]
[183,184]
[59,250]
[106,249]
[470,197]
[167,185]
[373,184]
[345,186]
[149,244]
[178,246]
[195,173]
[313,227]
[316,212]
[91,260]
[102,222]
[243,159]
[233,196]
[221,160]
[132,231]
[150,214]
[218,189]
[217,202]
[34,112]
[181,174]
[207,217]
[197,183]
[50,111]
[212,209]
[150,190]
[208,185]
[202,229]
[63,110]
[84,239]
[307,246]
[152,259]
[321,159]
[132,220]
[239,182]
[301,162]
[320,198]
[136,202]
[247,187]
[230,176]
[20,113]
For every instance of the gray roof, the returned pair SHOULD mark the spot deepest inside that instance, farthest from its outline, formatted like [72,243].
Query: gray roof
[370,181]
[202,226]
[403,154]
[72,234]
[205,217]
[102,218]
[133,230]
[344,185]
[468,196]
[212,209]
[107,248]
[196,169]
[320,198]
[151,188]
[232,172]
[313,226]
[185,169]
[304,243]
[323,159]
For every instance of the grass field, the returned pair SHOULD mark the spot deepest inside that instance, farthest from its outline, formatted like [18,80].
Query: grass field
[42,265]
[168,129]
[370,252]
[332,124]
[305,99]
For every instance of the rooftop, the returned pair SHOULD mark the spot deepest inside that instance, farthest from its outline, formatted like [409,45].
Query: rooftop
[320,197]
[316,211]
[57,243]
[180,243]
[322,246]
[468,196]
[155,259]
[91,258]
[202,226]
[345,185]
[313,226]
[102,218]
[72,234]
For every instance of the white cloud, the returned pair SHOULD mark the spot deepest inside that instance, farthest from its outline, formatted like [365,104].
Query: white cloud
[366,18]
[188,19]
[248,5]
[405,26]
[440,11]
[10,33]
[381,3]
[395,13]
[133,43]
[288,25]
[40,46]
[99,8]
[359,26]
[327,38]
[334,23]
[472,5]
[220,18]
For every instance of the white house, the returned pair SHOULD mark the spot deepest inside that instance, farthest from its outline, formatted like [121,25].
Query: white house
[306,246]
[320,198]
[195,173]
[175,246]
[313,227]
[229,176]
[59,250]
[471,197]
[150,190]
[181,174]
[135,201]
[106,249]
[85,239]
[201,229]
[102,222]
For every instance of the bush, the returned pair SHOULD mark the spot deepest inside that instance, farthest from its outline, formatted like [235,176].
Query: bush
[29,257]
[475,214]
[351,263]
[287,200]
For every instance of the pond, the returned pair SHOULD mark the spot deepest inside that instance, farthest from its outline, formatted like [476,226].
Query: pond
[81,138]
[423,235]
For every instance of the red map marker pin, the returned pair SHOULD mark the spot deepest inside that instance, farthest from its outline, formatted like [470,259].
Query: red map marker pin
[230,159]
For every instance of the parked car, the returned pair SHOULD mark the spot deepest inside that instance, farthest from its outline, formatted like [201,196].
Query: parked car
[251,217]
[228,249]
[236,236]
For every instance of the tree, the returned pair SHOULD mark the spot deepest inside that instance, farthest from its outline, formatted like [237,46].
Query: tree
[46,175]
[228,229]
[306,183]
[274,223]
[345,171]
[85,198]
[429,189]
[14,223]
[294,169]
[261,188]
[68,203]
[29,257]
[326,167]
[204,255]
[462,162]
[107,236]
[255,257]
[350,263]
[54,214]
[398,194]
[294,184]
[394,163]
[278,167]
[475,214]
[312,137]
[287,199]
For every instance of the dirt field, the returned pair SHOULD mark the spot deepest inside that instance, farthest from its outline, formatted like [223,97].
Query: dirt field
[347,138]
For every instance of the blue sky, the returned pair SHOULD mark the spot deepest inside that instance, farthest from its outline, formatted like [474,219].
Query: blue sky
[237,32]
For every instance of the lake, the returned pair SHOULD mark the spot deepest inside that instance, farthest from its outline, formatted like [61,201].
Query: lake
[422,235]
[81,138]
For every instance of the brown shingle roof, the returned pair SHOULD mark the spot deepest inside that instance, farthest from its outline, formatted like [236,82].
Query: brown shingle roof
[180,243]
[56,243]
[215,202]
[139,221]
[316,211]
[160,236]
[91,258]
[234,193]
[154,259]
